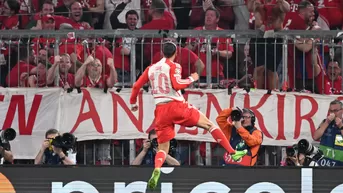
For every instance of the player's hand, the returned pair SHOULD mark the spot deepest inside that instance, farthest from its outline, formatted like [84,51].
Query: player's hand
[134,108]
[195,76]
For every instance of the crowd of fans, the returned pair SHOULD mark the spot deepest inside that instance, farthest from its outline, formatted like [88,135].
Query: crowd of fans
[313,65]
[258,60]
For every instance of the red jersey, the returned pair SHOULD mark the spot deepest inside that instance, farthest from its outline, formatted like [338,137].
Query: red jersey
[327,86]
[268,6]
[185,57]
[11,22]
[217,43]
[70,47]
[42,43]
[121,61]
[145,4]
[91,3]
[227,16]
[297,60]
[103,54]
[99,83]
[293,12]
[331,10]
[76,25]
[58,19]
[13,78]
[165,80]
[156,24]
[64,79]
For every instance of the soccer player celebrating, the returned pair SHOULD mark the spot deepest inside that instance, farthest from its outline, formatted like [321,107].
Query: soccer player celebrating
[171,108]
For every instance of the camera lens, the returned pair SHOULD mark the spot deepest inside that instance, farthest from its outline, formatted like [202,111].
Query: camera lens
[304,146]
[236,115]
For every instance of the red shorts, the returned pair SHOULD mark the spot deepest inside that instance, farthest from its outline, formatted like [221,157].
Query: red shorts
[167,115]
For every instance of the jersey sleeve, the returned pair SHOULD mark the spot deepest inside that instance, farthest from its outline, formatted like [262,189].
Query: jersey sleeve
[175,77]
[144,78]
[324,86]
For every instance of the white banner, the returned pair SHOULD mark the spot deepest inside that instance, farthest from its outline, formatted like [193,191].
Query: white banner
[284,118]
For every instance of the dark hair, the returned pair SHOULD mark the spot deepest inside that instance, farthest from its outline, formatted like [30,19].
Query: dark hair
[169,49]
[252,114]
[277,13]
[152,132]
[332,61]
[49,2]
[304,5]
[25,52]
[14,6]
[336,102]
[213,9]
[50,131]
[131,12]
[72,3]
[158,5]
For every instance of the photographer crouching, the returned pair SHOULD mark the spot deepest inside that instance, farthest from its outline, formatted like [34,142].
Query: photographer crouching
[330,133]
[148,152]
[7,135]
[303,154]
[242,134]
[57,149]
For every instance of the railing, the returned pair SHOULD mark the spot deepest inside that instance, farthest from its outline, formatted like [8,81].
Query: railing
[235,66]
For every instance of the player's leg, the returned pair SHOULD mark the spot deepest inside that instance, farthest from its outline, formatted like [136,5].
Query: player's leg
[160,157]
[216,133]
[219,136]
[164,128]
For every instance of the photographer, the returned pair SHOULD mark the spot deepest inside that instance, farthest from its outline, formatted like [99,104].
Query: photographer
[242,134]
[303,154]
[148,152]
[6,156]
[330,133]
[49,154]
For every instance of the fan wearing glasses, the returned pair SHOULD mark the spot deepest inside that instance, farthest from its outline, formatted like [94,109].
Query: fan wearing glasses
[330,132]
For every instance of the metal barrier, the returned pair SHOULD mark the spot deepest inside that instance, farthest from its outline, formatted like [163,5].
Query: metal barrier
[144,45]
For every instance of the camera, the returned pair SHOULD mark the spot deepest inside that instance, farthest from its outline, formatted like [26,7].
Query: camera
[236,115]
[172,146]
[312,153]
[292,151]
[65,141]
[7,135]
[306,147]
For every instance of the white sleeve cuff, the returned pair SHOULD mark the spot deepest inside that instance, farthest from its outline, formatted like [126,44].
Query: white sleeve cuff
[191,78]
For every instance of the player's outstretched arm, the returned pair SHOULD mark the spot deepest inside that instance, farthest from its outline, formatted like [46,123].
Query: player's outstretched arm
[177,82]
[144,78]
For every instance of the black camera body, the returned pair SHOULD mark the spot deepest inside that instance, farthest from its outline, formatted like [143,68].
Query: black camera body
[7,135]
[292,151]
[172,146]
[236,115]
[65,142]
